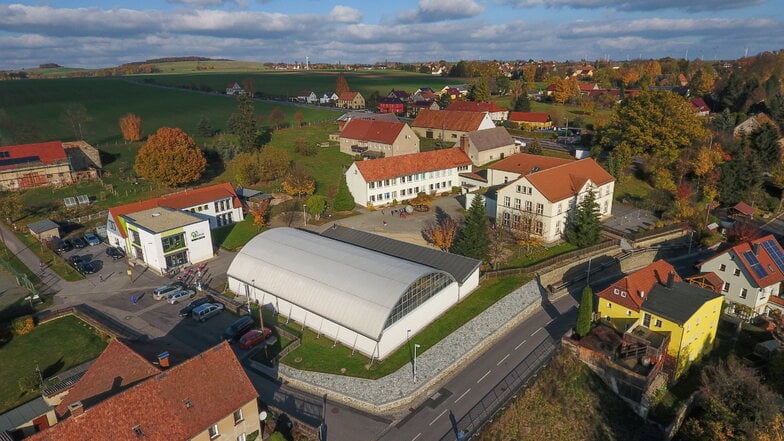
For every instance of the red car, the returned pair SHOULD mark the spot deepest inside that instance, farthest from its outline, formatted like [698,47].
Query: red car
[254,337]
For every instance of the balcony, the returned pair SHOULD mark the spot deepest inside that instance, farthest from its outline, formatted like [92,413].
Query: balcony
[359,148]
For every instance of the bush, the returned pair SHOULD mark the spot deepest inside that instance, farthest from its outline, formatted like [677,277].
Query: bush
[23,325]
[305,148]
[28,383]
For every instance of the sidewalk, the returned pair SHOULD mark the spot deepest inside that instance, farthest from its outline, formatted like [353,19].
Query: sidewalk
[52,280]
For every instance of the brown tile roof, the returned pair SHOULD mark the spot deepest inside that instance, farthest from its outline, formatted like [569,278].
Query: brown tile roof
[213,383]
[474,106]
[347,96]
[773,274]
[523,163]
[116,369]
[631,291]
[23,155]
[489,139]
[585,87]
[560,182]
[448,120]
[404,165]
[179,201]
[369,130]
[529,117]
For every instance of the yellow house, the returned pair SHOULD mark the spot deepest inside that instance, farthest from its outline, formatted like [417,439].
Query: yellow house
[690,315]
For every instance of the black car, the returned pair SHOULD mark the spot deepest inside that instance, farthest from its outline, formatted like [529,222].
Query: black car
[78,242]
[239,327]
[63,246]
[115,253]
[87,267]
[186,311]
[77,259]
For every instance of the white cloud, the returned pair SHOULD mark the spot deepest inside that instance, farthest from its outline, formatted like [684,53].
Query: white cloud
[641,5]
[345,14]
[664,27]
[439,10]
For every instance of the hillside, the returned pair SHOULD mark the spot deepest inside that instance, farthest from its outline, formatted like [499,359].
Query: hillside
[568,402]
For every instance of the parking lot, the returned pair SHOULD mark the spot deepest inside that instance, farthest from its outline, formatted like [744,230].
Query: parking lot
[105,265]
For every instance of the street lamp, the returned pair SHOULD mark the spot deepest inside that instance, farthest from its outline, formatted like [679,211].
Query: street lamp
[304,215]
[416,346]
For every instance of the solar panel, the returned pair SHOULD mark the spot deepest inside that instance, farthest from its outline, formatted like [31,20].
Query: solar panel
[70,202]
[775,253]
[755,264]
[83,199]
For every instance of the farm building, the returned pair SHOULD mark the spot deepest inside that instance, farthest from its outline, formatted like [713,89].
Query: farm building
[47,163]
[363,291]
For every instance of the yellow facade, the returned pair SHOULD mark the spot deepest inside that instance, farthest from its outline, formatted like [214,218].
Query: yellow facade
[620,317]
[691,340]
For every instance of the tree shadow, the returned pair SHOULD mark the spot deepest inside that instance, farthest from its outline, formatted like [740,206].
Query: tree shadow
[53,368]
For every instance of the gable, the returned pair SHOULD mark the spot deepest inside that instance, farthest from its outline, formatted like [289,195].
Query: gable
[369,130]
[454,120]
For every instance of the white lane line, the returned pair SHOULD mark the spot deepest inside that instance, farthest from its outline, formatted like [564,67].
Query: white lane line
[436,418]
[521,343]
[418,435]
[551,320]
[483,377]
[536,332]
[464,394]
[502,360]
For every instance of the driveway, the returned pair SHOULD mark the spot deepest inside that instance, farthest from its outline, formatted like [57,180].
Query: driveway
[628,219]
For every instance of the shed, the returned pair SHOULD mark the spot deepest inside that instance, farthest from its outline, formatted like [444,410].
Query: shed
[44,229]
[742,209]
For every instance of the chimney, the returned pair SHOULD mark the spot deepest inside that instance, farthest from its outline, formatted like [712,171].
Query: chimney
[755,248]
[464,145]
[670,279]
[76,409]
[642,294]
[163,359]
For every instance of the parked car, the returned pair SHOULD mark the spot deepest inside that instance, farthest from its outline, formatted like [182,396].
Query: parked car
[92,239]
[76,259]
[254,337]
[207,310]
[62,246]
[162,292]
[239,327]
[186,311]
[88,267]
[180,295]
[115,253]
[78,242]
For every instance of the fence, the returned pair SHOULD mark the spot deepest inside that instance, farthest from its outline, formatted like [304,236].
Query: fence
[506,389]
[87,217]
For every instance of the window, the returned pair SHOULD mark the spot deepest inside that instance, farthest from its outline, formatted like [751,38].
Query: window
[657,323]
[528,205]
[628,312]
[213,431]
[507,201]
[539,208]
[516,220]
[605,207]
[519,188]
[538,228]
[238,416]
[560,209]
[372,185]
[722,267]
[609,305]
[737,272]
[726,287]
[646,320]
[506,218]
[517,203]
[173,242]
[743,292]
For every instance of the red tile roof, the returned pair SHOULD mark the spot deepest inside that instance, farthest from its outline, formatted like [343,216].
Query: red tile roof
[213,383]
[773,275]
[404,165]
[116,369]
[586,87]
[448,120]
[523,163]
[375,131]
[699,105]
[25,155]
[347,96]
[743,208]
[474,106]
[179,201]
[631,290]
[529,117]
[562,181]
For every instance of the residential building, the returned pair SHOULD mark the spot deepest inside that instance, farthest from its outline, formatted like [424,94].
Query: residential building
[455,92]
[750,272]
[484,146]
[234,89]
[328,98]
[449,125]
[754,122]
[497,113]
[396,179]
[122,396]
[531,120]
[400,95]
[378,138]
[391,105]
[417,106]
[351,100]
[53,163]
[541,201]
[515,166]
[307,96]
[191,212]
[700,107]
[347,117]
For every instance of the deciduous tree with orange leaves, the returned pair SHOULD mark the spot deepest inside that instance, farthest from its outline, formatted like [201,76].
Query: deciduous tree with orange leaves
[441,233]
[170,157]
[131,127]
[259,212]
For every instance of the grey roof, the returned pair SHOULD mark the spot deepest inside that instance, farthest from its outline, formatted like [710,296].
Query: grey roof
[678,303]
[348,116]
[23,414]
[247,192]
[42,226]
[489,139]
[352,286]
[460,267]
[162,219]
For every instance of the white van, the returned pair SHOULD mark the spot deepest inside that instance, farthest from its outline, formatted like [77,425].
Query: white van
[203,312]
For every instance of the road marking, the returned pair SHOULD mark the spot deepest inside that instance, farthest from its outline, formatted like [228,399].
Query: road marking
[464,394]
[502,360]
[418,435]
[436,418]
[521,343]
[483,376]
[551,320]
[536,332]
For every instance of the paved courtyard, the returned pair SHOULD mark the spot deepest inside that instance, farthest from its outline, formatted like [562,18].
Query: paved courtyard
[629,219]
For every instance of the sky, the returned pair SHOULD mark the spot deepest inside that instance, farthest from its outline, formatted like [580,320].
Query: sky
[89,34]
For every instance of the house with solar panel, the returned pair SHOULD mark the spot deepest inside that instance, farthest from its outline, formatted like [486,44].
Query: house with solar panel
[53,163]
[747,275]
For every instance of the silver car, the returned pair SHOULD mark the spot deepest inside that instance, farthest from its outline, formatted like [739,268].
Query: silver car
[179,295]
[163,292]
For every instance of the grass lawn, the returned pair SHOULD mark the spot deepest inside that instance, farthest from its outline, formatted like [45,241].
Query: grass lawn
[632,188]
[522,259]
[231,237]
[317,354]
[54,346]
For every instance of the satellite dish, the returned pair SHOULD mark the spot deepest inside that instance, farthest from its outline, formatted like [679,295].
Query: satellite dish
[262,415]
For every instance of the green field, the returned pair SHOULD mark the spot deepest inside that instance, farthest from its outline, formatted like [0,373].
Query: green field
[54,347]
[210,66]
[40,103]
[288,83]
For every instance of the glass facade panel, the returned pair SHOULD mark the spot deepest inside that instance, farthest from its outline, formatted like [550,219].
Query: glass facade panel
[416,294]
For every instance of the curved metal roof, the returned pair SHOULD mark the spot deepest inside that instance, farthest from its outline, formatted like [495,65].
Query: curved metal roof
[352,286]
